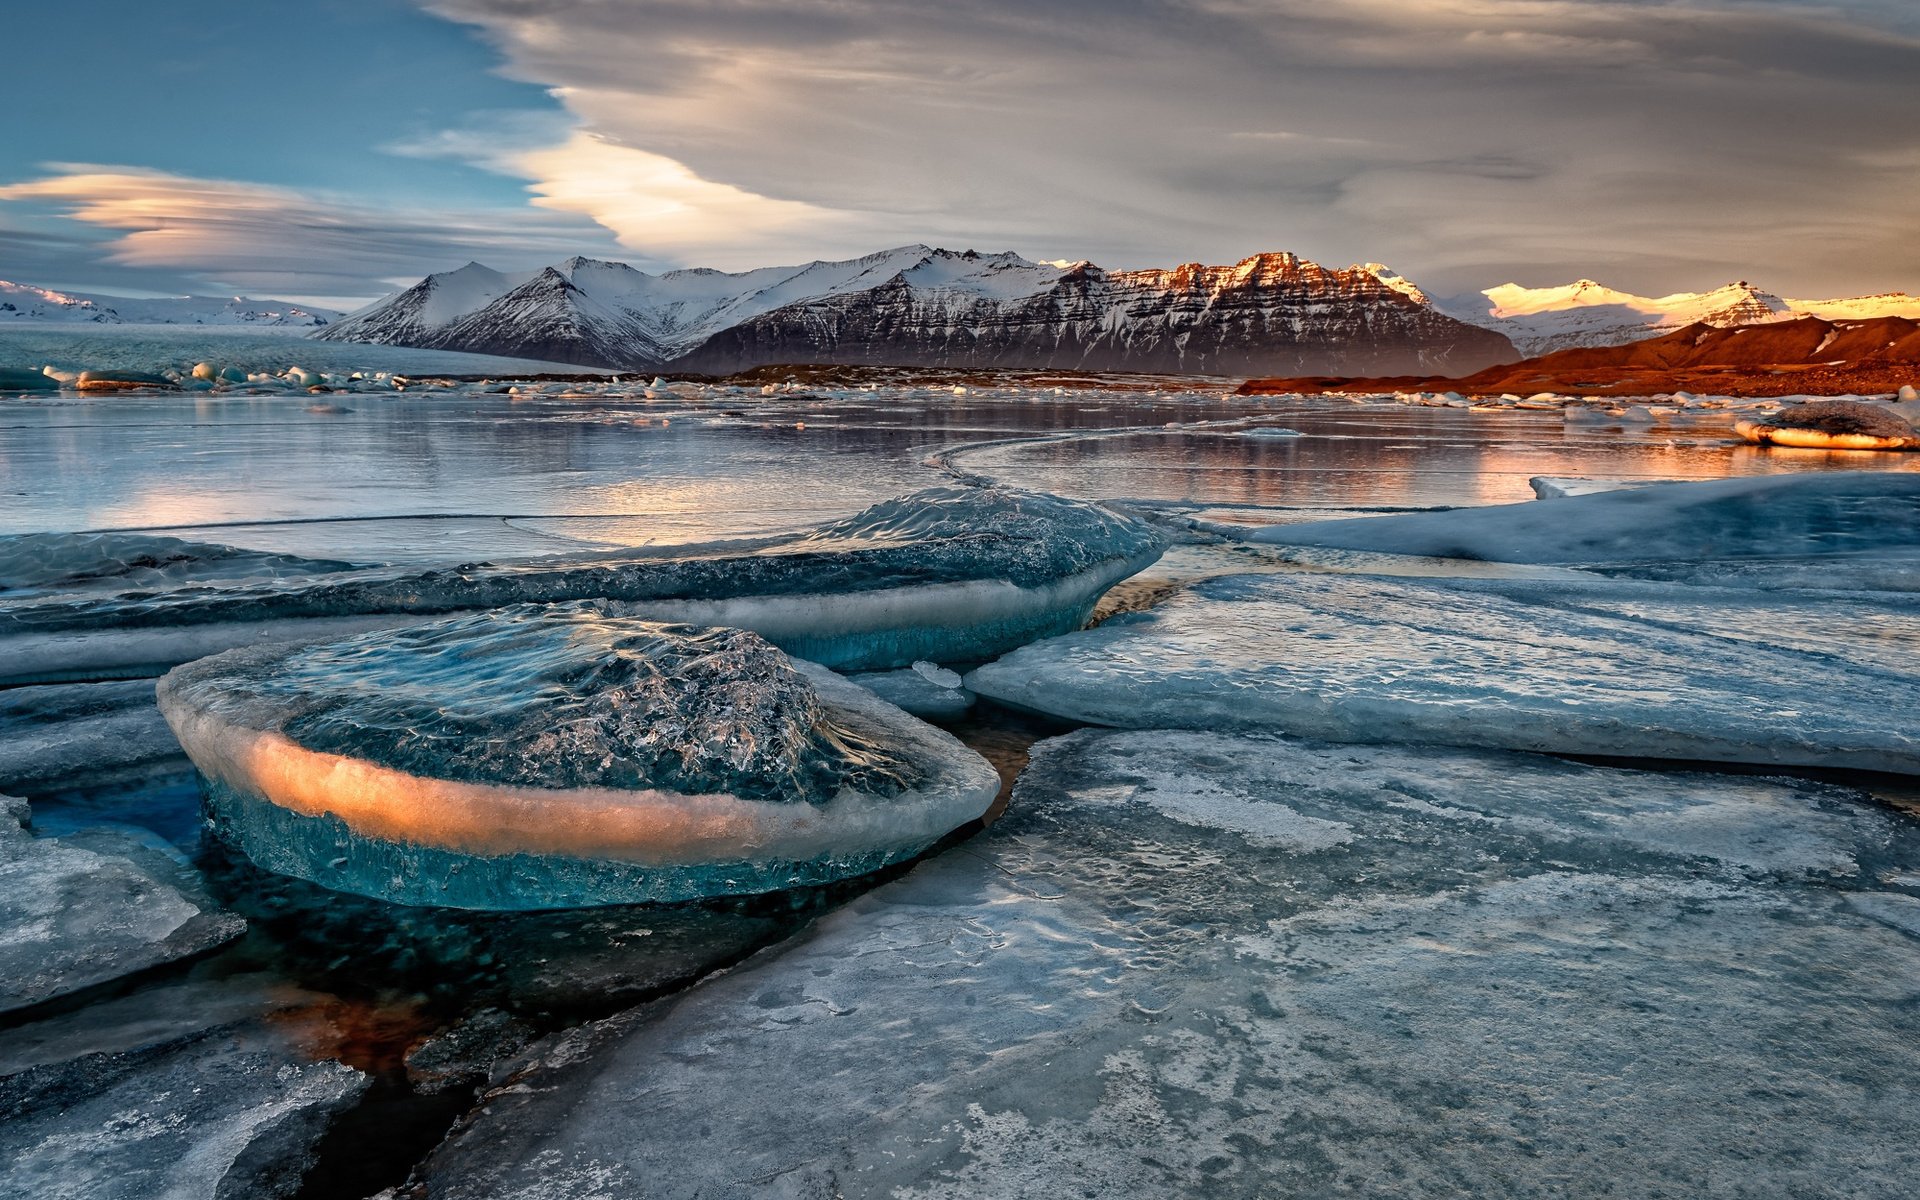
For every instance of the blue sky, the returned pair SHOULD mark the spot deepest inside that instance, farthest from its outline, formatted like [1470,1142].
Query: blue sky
[329,150]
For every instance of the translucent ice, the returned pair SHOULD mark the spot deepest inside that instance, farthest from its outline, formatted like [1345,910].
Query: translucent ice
[74,914]
[947,574]
[1616,667]
[555,756]
[934,697]
[1189,964]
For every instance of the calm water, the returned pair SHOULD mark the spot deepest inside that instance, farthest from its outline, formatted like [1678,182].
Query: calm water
[452,474]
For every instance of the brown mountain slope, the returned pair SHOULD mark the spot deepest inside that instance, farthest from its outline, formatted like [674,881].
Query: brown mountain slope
[1808,356]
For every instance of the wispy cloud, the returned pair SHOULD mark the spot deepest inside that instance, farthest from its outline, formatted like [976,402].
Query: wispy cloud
[250,237]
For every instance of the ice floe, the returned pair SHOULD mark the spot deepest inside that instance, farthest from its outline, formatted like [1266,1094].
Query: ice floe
[1190,964]
[85,910]
[555,756]
[948,574]
[1606,667]
[1847,524]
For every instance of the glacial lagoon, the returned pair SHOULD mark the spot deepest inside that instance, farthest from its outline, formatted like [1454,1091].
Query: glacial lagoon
[1280,892]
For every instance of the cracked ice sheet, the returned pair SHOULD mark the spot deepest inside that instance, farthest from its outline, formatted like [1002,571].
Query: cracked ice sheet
[1508,975]
[1607,667]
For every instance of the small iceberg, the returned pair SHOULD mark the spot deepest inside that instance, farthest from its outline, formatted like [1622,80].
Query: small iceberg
[949,574]
[1833,425]
[124,381]
[561,756]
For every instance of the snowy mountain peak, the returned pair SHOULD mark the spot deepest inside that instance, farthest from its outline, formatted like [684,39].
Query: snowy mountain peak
[1395,280]
[1588,313]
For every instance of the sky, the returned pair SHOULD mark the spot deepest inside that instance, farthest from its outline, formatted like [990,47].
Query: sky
[333,150]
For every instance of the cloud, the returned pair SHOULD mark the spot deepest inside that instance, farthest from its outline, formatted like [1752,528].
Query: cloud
[1664,143]
[653,205]
[249,237]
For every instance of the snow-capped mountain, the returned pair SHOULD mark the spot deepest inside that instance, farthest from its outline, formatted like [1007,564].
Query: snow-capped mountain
[917,306]
[23,302]
[1586,313]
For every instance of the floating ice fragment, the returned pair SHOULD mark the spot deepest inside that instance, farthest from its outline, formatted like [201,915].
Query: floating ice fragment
[949,574]
[559,756]
[1550,487]
[1833,425]
[124,381]
[924,695]
[936,674]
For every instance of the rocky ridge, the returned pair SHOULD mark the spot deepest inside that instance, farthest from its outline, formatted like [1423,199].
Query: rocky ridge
[916,306]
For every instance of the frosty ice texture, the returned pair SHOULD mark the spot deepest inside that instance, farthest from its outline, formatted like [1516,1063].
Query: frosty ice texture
[1188,964]
[1616,667]
[546,756]
[946,574]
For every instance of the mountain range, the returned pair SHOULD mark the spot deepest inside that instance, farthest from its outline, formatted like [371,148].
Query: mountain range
[918,306]
[1271,314]
[1585,313]
[23,302]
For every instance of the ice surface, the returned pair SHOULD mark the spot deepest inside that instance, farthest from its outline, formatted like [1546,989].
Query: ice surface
[1772,516]
[1615,667]
[1318,971]
[220,1113]
[556,756]
[947,574]
[72,916]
